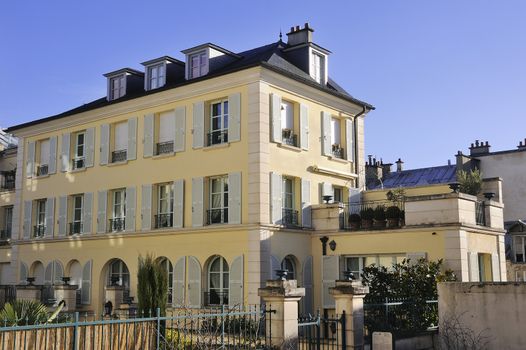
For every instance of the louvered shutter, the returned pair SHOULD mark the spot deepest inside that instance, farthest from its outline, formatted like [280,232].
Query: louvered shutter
[64,153]
[178,204]
[276,200]
[130,209]
[102,203]
[58,272]
[87,210]
[275,265]
[326,142]
[330,272]
[30,164]
[90,147]
[349,139]
[62,216]
[146,207]
[234,117]
[307,284]
[104,144]
[327,190]
[52,167]
[23,272]
[48,274]
[304,126]
[194,282]
[85,291]
[179,282]
[180,129]
[197,202]
[495,267]
[473,267]
[50,217]
[148,135]
[234,198]
[275,118]
[235,290]
[306,219]
[198,136]
[28,208]
[131,152]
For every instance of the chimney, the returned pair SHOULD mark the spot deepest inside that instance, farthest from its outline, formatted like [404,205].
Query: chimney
[374,172]
[386,168]
[522,146]
[299,35]
[479,149]
[399,166]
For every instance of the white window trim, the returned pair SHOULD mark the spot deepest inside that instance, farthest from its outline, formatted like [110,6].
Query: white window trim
[221,273]
[324,63]
[291,179]
[74,208]
[110,95]
[519,249]
[220,116]
[40,213]
[120,273]
[170,199]
[76,153]
[122,204]
[148,78]
[189,64]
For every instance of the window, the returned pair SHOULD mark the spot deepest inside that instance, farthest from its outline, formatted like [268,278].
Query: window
[289,215]
[166,133]
[198,64]
[336,137]
[288,264]
[120,142]
[117,87]
[218,212]
[167,266]
[317,67]
[520,276]
[117,221]
[118,274]
[218,123]
[43,167]
[519,248]
[79,151]
[355,264]
[289,137]
[8,180]
[8,222]
[218,282]
[485,272]
[338,194]
[165,206]
[76,225]
[156,76]
[40,218]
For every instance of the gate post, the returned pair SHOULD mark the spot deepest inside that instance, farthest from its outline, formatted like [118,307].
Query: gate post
[349,304]
[283,298]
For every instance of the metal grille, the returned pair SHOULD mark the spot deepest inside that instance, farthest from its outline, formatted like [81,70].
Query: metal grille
[217,216]
[164,220]
[337,152]
[165,147]
[78,163]
[217,137]
[289,217]
[118,156]
[288,138]
[42,170]
[215,298]
[75,227]
[39,230]
[117,224]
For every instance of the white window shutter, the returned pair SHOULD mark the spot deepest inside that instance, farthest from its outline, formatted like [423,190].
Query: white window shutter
[87,209]
[62,216]
[306,219]
[276,194]
[102,203]
[28,219]
[48,273]
[234,198]
[90,147]
[473,263]
[104,144]
[131,152]
[85,291]
[495,267]
[234,117]
[304,126]
[50,217]
[198,136]
[275,265]
[129,223]
[58,272]
[146,207]
[178,218]
[30,164]
[194,282]
[24,271]
[180,129]
[326,142]
[327,190]
[64,153]
[179,282]
[235,290]
[307,284]
[52,167]
[197,202]
[275,118]
[330,272]
[148,135]
[349,139]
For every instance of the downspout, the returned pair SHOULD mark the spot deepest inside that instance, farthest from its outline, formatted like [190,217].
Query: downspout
[356,153]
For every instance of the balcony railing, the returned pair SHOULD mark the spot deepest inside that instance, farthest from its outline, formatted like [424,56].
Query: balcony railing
[5,234]
[480,213]
[289,217]
[117,224]
[367,215]
[75,227]
[213,298]
[289,138]
[118,156]
[165,147]
[337,152]
[217,137]
[42,170]
[39,230]
[78,163]
[164,220]
[217,216]
[8,185]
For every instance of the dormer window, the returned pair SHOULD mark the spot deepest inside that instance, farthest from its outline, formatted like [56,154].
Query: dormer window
[117,87]
[198,64]
[317,67]
[206,58]
[123,81]
[156,76]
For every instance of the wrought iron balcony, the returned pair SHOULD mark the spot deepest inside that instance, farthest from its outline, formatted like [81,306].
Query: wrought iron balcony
[289,138]
[8,185]
[78,163]
[164,220]
[42,170]
[214,297]
[117,224]
[75,227]
[165,147]
[289,217]
[217,137]
[39,231]
[217,216]
[337,151]
[118,156]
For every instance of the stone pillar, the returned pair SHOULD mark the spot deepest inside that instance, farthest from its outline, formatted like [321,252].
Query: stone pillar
[326,216]
[349,300]
[115,295]
[68,293]
[282,326]
[28,292]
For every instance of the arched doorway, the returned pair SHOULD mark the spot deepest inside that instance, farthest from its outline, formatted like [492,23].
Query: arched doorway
[218,281]
[289,263]
[118,274]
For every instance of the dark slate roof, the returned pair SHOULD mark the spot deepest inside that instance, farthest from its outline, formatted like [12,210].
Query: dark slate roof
[270,56]
[419,177]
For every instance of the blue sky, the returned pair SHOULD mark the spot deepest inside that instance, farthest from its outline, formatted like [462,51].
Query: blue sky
[440,73]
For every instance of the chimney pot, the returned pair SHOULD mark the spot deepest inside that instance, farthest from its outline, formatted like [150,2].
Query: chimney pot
[399,167]
[297,28]
[291,29]
[477,143]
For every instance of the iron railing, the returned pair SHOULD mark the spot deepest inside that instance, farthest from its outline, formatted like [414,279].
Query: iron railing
[5,234]
[164,220]
[118,156]
[214,297]
[75,227]
[39,230]
[288,138]
[78,163]
[316,332]
[289,217]
[217,216]
[337,152]
[165,147]
[358,216]
[117,224]
[480,213]
[42,170]
[217,137]
[8,184]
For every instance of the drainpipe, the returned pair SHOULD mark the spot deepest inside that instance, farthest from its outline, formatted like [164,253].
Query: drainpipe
[356,153]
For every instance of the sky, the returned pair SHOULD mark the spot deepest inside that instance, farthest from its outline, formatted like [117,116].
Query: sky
[441,74]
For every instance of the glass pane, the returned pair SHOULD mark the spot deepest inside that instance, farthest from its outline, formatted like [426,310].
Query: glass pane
[216,124]
[353,264]
[225,282]
[216,265]
[216,185]
[215,280]
[216,109]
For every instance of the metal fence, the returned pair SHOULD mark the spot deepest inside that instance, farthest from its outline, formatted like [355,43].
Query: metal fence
[316,332]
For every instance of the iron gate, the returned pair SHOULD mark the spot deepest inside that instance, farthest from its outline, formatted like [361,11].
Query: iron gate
[316,332]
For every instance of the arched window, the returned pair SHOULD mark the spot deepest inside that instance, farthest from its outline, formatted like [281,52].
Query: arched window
[288,264]
[218,281]
[167,265]
[119,274]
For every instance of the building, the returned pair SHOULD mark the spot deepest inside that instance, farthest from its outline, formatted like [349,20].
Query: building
[220,166]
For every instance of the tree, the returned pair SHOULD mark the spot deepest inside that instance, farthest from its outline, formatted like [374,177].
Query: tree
[152,288]
[470,182]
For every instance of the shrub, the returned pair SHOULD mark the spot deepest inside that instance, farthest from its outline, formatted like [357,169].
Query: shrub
[379,213]
[355,218]
[23,312]
[393,212]
[367,214]
[152,286]
[470,182]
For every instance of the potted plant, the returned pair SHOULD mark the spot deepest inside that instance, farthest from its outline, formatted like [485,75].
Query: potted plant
[354,221]
[367,215]
[379,217]
[392,215]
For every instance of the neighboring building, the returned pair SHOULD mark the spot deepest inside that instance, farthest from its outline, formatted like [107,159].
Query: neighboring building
[218,165]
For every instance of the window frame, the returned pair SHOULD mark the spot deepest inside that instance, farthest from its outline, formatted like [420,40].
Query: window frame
[8,224]
[362,261]
[284,179]
[121,205]
[317,69]
[122,271]
[522,248]
[291,273]
[120,90]
[40,215]
[223,291]
[160,79]
[223,123]
[169,198]
[223,203]
[202,63]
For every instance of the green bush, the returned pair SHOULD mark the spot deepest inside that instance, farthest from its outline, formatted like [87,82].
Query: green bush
[379,213]
[355,218]
[367,213]
[152,286]
[23,312]
[470,182]
[393,212]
